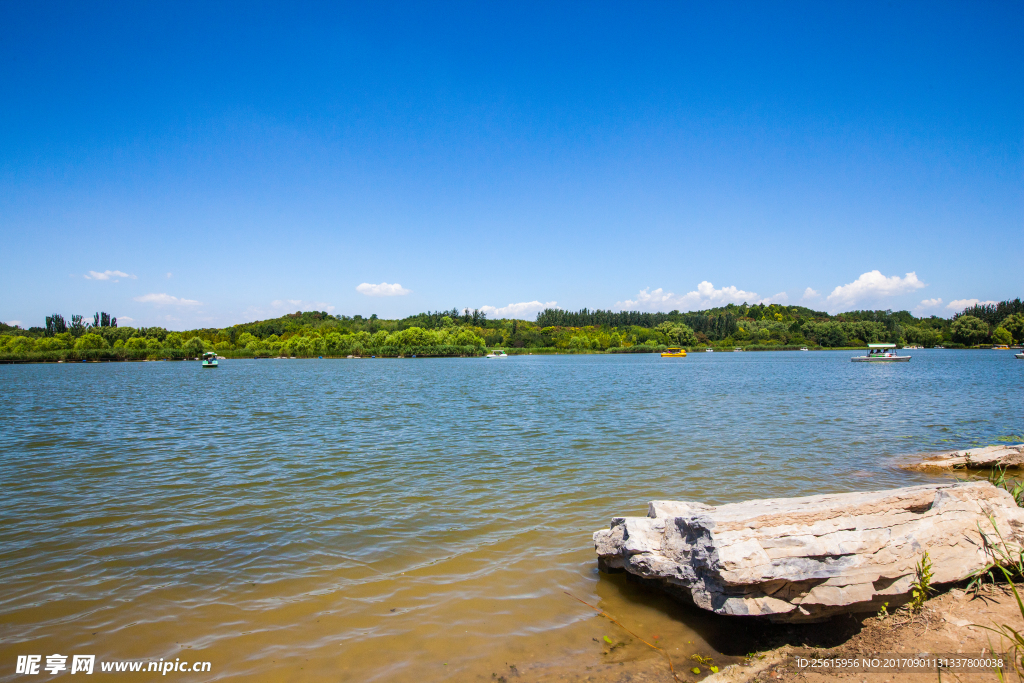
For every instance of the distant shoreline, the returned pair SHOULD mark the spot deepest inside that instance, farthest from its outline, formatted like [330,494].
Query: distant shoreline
[510,351]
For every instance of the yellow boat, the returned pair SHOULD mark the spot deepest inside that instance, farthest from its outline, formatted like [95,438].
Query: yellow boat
[674,352]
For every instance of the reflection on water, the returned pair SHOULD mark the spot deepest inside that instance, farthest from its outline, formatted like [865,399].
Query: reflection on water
[420,519]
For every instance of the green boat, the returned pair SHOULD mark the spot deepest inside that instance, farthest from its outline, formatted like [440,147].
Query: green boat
[881,353]
[209,359]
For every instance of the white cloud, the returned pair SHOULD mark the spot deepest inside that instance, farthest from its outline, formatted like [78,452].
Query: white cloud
[780,298]
[108,275]
[16,323]
[522,310]
[168,276]
[383,289]
[705,296]
[873,285]
[125,319]
[961,304]
[166,300]
[927,305]
[809,295]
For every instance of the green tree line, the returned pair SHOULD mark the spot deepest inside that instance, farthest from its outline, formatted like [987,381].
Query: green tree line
[469,332]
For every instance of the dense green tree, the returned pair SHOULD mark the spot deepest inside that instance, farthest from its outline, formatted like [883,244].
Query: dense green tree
[468,338]
[993,313]
[678,333]
[831,334]
[90,341]
[969,330]
[1001,335]
[579,342]
[55,325]
[194,347]
[1014,324]
[925,336]
[21,344]
[59,342]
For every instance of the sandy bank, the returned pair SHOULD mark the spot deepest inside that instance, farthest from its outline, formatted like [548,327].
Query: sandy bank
[950,623]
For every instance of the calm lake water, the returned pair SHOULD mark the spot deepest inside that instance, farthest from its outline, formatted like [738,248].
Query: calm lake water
[382,520]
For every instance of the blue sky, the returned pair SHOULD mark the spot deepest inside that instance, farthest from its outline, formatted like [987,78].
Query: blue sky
[187,164]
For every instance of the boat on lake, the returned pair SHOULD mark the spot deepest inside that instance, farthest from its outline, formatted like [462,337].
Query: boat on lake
[738,348]
[1000,347]
[674,352]
[881,353]
[209,359]
[497,353]
[709,350]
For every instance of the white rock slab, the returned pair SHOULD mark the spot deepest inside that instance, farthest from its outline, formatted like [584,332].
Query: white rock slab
[973,458]
[806,559]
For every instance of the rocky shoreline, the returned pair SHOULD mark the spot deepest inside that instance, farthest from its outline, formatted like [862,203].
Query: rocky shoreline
[778,567]
[956,622]
[807,559]
[987,458]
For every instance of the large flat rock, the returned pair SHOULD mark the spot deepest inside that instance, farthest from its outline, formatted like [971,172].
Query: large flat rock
[988,457]
[806,559]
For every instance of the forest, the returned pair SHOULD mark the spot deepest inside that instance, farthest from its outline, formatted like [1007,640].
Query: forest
[470,333]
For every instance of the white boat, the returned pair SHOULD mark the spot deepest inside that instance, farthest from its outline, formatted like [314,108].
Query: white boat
[497,353]
[1019,355]
[709,350]
[881,353]
[804,348]
[738,348]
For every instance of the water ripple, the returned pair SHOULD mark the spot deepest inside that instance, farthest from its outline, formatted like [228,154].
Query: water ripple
[375,518]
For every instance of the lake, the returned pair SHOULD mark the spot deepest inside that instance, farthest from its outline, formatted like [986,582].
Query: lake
[422,519]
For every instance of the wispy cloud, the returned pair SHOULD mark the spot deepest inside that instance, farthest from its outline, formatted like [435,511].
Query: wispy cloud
[114,275]
[16,323]
[166,300]
[125,319]
[301,305]
[705,296]
[872,286]
[383,289]
[521,310]
[279,307]
[168,276]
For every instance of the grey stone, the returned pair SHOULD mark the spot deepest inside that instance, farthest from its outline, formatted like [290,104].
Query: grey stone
[806,559]
[973,458]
